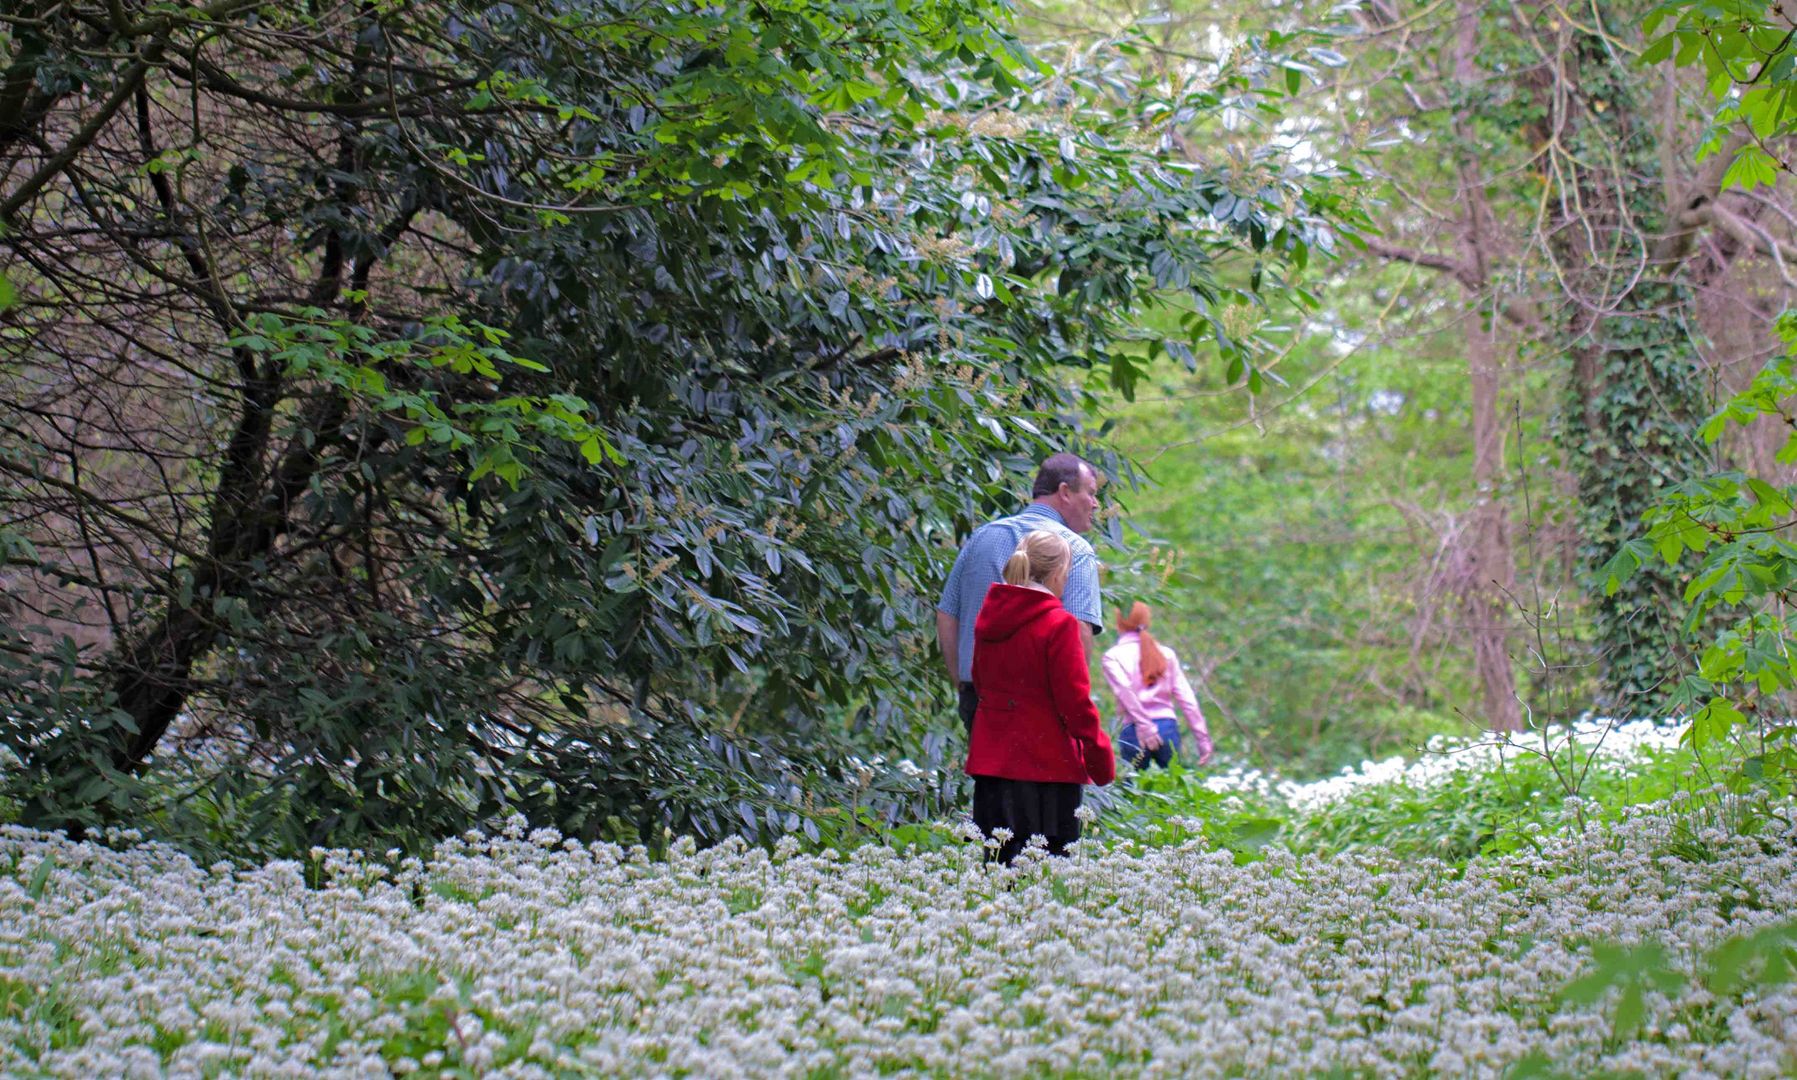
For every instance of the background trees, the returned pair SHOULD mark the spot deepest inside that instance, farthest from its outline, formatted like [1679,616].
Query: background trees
[1624,260]
[414,411]
[1548,227]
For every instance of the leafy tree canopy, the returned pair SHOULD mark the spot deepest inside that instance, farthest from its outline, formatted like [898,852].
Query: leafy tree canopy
[418,410]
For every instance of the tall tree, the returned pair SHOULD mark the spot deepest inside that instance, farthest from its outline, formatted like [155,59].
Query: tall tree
[1736,518]
[1637,394]
[1465,241]
[1604,248]
[1485,574]
[1529,159]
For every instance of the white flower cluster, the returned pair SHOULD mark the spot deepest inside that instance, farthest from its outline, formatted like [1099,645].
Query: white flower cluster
[529,956]
[1444,757]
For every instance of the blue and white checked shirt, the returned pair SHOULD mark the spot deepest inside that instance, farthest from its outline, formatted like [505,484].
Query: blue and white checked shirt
[982,562]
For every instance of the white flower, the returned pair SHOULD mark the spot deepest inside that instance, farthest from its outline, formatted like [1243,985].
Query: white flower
[521,955]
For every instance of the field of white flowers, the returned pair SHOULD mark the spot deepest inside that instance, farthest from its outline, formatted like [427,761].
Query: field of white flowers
[1445,758]
[524,954]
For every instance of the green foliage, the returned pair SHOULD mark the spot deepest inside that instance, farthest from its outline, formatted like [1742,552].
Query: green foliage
[1734,968]
[650,364]
[1457,817]
[1732,526]
[1628,433]
[1636,392]
[310,345]
[1764,957]
[1744,51]
[1286,534]
[1635,970]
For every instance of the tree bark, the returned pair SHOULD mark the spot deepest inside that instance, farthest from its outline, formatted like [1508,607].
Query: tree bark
[251,505]
[1491,574]
[1492,564]
[153,673]
[1621,241]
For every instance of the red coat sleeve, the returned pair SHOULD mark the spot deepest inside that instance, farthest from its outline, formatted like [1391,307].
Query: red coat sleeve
[1072,689]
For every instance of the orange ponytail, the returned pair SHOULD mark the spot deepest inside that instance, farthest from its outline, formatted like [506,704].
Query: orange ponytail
[1154,661]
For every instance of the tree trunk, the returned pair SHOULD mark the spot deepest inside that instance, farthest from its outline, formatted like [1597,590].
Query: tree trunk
[250,508]
[251,505]
[1491,572]
[1492,569]
[1636,395]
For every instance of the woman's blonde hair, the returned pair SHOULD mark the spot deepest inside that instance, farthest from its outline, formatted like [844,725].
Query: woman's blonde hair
[1042,557]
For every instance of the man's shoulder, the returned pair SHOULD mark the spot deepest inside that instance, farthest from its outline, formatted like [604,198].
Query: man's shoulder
[1021,520]
[1025,522]
[1006,531]
[994,532]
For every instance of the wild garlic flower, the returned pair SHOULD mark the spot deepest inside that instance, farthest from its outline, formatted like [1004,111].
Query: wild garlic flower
[524,955]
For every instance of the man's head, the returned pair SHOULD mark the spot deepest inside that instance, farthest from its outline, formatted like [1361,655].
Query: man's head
[1069,485]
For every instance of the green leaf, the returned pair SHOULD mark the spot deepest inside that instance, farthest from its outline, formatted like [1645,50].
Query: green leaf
[1535,1065]
[1621,566]
[1659,50]
[1706,581]
[1629,1008]
[1751,168]
[1768,496]
[1713,722]
[40,878]
[1252,834]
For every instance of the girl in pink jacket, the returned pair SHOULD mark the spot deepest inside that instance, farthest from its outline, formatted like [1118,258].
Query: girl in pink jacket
[1147,680]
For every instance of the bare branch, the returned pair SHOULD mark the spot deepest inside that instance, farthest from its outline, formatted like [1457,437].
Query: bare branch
[1429,259]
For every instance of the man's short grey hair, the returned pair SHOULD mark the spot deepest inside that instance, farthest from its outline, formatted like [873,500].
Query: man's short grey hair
[1060,469]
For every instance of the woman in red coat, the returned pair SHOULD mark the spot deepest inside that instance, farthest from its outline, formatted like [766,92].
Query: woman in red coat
[1036,736]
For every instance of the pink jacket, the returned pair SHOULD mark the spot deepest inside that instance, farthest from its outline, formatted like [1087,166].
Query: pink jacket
[1142,705]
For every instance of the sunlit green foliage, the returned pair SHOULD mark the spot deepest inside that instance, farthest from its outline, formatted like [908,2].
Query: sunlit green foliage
[1733,525]
[1744,50]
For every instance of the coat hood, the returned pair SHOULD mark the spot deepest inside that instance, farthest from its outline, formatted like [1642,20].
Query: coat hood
[1010,608]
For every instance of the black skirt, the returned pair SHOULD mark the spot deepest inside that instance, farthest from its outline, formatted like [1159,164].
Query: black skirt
[1027,808]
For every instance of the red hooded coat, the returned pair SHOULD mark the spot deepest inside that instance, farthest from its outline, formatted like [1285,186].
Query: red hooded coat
[1036,719]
